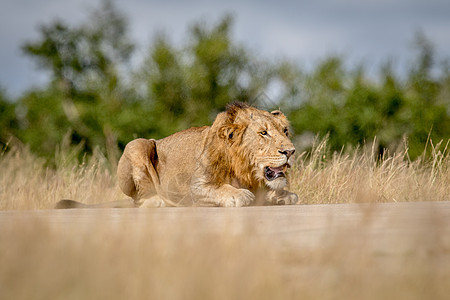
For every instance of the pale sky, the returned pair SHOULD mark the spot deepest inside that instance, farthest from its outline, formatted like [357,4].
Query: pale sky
[305,31]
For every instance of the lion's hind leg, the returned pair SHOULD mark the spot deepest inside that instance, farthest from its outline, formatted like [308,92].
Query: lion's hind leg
[136,173]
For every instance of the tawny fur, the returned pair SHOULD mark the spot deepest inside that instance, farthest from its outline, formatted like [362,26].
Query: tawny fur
[219,165]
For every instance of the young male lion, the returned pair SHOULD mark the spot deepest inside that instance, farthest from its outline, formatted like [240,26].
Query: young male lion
[240,160]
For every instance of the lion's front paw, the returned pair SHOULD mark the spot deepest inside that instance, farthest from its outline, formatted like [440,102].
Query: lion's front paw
[288,199]
[283,198]
[153,202]
[238,198]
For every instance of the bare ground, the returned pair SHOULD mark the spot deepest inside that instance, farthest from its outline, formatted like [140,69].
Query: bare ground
[343,251]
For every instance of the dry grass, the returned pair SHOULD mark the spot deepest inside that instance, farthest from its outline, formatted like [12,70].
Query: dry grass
[321,177]
[82,257]
[318,178]
[26,182]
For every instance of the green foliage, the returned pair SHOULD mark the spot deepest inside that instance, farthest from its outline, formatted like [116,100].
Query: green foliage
[95,99]
[188,86]
[8,120]
[353,110]
[87,97]
[96,102]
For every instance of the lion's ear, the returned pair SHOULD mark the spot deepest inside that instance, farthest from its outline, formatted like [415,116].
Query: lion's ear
[277,113]
[229,131]
[280,116]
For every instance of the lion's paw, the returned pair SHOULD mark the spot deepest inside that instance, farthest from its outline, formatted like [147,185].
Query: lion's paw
[240,197]
[288,199]
[283,198]
[153,202]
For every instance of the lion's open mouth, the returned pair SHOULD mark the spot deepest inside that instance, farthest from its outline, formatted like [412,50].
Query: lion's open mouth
[271,173]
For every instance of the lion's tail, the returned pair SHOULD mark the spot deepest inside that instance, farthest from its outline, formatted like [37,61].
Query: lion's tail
[66,204]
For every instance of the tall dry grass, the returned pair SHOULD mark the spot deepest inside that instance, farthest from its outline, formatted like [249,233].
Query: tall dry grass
[318,177]
[164,254]
[27,182]
[322,177]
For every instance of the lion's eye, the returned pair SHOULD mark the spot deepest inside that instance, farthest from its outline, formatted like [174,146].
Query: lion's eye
[264,132]
[286,131]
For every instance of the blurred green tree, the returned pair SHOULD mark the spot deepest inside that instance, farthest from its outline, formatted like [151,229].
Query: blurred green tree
[95,98]
[8,120]
[427,110]
[189,86]
[352,109]
[90,98]
[86,95]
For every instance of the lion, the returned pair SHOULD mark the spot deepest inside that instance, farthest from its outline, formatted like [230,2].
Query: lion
[241,159]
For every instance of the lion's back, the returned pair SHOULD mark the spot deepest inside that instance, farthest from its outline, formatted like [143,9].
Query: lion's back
[183,142]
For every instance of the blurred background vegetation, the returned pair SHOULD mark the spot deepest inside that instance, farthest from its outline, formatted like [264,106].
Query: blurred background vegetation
[98,98]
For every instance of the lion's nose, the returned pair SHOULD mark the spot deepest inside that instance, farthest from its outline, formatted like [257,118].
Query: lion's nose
[287,152]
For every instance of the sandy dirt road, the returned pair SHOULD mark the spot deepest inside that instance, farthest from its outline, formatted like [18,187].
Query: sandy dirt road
[344,251]
[389,227]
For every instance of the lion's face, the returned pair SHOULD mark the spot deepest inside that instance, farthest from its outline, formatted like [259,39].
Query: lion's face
[261,146]
[271,151]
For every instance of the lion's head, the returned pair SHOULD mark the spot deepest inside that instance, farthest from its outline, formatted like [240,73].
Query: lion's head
[250,145]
